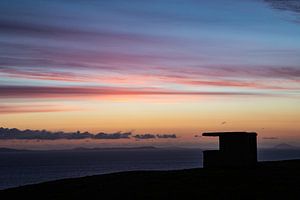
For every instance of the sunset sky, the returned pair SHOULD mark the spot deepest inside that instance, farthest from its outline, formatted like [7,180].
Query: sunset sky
[150,67]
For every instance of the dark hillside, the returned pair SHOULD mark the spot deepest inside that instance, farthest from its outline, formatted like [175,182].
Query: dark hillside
[269,180]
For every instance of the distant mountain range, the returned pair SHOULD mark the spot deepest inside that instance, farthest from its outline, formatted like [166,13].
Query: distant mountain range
[12,150]
[281,146]
[285,146]
[113,148]
[83,149]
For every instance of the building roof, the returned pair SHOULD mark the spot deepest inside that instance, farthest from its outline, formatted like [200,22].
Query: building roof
[236,133]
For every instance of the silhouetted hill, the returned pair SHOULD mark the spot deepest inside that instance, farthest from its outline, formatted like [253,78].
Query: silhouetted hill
[114,148]
[285,146]
[11,150]
[81,149]
[269,180]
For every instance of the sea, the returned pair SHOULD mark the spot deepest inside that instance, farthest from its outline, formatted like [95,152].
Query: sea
[19,168]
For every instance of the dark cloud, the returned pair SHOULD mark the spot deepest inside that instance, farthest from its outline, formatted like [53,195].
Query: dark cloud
[263,71]
[144,136]
[288,5]
[164,136]
[13,133]
[118,135]
[270,138]
[71,32]
[153,136]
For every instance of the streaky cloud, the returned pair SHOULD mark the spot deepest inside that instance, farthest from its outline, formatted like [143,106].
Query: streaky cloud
[270,138]
[274,78]
[82,92]
[70,33]
[33,108]
[288,5]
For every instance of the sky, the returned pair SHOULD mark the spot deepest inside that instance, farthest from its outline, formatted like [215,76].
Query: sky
[150,67]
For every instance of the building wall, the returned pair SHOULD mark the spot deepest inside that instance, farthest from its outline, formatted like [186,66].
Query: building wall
[235,151]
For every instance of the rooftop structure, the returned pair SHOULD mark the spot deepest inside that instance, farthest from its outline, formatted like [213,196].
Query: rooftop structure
[236,149]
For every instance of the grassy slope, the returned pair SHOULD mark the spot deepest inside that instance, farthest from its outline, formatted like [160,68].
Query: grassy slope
[270,180]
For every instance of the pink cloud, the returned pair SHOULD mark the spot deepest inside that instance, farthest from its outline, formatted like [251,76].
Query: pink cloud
[82,92]
[166,76]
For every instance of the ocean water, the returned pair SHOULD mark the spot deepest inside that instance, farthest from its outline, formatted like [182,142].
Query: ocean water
[21,168]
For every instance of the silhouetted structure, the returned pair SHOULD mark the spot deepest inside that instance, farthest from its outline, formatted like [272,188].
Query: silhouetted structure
[237,149]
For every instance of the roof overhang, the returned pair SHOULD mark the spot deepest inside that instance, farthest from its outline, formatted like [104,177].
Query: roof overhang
[233,133]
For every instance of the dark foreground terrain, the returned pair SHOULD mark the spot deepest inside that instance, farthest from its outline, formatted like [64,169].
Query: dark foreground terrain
[269,180]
